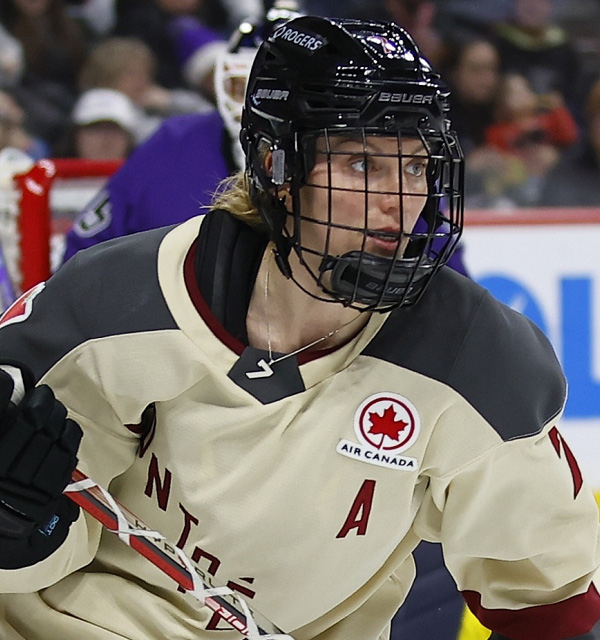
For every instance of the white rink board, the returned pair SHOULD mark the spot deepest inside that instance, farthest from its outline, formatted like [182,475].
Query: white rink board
[552,274]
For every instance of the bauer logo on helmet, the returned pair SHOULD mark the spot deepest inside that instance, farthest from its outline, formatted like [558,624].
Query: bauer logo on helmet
[406,98]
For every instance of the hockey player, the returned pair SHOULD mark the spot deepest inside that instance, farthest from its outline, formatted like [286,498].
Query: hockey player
[294,389]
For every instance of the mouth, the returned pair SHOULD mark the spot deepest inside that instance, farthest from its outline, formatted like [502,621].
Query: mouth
[384,241]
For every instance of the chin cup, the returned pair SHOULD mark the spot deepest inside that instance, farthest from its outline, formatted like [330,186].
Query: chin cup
[377,283]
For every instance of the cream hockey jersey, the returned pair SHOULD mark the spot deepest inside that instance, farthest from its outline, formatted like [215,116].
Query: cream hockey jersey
[306,490]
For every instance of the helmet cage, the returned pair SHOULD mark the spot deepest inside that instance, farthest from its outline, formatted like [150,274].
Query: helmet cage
[357,278]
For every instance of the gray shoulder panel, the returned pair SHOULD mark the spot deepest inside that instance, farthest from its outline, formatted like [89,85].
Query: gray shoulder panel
[497,359]
[109,289]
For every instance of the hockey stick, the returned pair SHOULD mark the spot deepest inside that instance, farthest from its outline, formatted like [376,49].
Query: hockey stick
[167,557]
[225,602]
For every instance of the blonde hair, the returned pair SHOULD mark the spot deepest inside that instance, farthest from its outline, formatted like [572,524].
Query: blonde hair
[233,195]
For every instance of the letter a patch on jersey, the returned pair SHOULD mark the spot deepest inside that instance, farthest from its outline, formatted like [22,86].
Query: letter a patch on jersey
[385,425]
[21,309]
[358,518]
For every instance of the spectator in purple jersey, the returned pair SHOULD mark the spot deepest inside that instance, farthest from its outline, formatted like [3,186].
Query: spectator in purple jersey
[166,180]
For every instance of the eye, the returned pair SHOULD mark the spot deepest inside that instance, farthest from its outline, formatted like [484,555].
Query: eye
[362,164]
[416,168]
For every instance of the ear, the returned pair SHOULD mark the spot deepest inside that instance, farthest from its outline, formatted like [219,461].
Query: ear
[268,163]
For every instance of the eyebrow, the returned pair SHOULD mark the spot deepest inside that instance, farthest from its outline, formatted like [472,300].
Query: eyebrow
[337,141]
[419,152]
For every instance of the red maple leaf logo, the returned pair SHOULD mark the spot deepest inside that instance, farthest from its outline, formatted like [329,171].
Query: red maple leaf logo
[387,425]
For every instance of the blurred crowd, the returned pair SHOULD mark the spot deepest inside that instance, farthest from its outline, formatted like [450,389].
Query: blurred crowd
[96,78]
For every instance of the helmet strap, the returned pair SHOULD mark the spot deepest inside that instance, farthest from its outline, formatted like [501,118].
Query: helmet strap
[274,214]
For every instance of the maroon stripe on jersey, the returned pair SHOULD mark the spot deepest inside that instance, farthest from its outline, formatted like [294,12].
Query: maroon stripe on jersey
[567,619]
[138,429]
[189,275]
[202,308]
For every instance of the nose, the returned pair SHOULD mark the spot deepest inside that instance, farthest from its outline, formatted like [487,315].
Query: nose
[390,196]
[400,209]
[390,205]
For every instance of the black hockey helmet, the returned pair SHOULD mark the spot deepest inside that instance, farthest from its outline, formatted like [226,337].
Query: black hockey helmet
[316,78]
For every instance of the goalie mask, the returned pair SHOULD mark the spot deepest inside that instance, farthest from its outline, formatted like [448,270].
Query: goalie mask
[332,107]
[233,64]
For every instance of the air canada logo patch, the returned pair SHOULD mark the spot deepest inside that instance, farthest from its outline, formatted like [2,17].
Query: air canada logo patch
[21,308]
[385,425]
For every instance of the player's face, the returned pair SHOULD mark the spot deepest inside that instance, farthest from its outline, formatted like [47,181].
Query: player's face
[371,190]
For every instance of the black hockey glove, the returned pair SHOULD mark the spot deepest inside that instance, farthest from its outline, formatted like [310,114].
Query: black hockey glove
[38,447]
